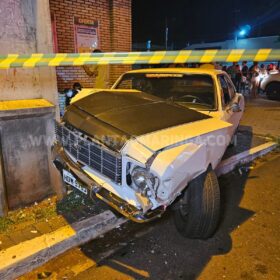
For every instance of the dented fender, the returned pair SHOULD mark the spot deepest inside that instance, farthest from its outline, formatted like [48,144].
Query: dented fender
[177,166]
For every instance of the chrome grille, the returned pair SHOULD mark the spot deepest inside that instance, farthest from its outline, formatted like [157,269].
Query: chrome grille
[90,153]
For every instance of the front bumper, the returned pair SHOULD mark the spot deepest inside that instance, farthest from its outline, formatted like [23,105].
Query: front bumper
[62,161]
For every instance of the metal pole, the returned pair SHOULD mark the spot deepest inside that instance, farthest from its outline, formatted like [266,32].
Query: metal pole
[166,38]
[166,34]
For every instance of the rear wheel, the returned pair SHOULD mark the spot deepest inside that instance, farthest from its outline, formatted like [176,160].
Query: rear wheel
[273,91]
[199,210]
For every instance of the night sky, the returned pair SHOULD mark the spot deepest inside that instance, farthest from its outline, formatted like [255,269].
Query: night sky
[196,21]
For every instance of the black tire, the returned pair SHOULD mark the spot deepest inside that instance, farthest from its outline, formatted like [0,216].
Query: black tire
[198,213]
[273,91]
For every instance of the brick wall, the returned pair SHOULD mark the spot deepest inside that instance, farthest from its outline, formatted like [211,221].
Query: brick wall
[114,18]
[120,25]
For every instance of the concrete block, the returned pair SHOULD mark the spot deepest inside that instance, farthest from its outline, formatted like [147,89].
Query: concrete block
[26,138]
[231,163]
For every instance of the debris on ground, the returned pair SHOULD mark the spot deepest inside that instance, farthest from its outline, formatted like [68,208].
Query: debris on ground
[73,207]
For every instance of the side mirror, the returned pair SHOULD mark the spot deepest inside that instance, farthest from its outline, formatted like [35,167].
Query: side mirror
[235,107]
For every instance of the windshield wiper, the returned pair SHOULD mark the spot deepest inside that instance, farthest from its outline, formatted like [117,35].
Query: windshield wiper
[196,103]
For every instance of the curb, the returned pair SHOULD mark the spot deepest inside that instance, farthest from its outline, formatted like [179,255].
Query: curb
[26,256]
[229,164]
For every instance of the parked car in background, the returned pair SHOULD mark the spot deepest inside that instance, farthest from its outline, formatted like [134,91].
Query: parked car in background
[271,85]
[152,141]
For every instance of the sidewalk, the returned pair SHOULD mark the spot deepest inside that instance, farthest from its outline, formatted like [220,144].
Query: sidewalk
[45,217]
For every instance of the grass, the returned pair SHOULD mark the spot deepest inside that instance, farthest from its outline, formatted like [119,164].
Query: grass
[47,209]
[28,215]
[75,201]
[5,223]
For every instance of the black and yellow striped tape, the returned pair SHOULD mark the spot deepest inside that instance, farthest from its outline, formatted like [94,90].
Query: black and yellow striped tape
[129,58]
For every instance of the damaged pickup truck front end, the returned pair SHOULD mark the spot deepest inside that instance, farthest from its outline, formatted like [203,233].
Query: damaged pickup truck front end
[136,152]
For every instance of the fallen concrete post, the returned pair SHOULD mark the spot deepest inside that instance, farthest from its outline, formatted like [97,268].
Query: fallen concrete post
[28,255]
[229,164]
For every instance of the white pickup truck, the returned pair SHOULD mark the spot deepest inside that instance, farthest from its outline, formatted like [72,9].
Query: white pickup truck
[153,140]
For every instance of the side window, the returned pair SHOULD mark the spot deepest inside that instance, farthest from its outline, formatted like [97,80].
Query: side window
[225,90]
[232,91]
[143,85]
[125,84]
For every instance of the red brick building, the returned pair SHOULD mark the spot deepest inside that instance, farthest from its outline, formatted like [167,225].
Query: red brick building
[114,28]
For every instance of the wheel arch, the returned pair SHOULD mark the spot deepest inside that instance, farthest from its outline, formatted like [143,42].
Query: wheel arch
[272,83]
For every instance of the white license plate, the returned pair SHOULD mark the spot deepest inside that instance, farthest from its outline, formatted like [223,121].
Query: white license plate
[69,179]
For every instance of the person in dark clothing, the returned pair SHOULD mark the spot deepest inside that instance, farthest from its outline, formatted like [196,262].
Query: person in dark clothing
[244,78]
[77,86]
[245,69]
[231,71]
[238,77]
[70,93]
[224,68]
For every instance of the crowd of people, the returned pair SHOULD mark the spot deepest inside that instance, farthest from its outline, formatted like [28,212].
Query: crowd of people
[247,79]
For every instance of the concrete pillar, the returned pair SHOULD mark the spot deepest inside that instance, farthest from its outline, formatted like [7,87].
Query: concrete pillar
[25,28]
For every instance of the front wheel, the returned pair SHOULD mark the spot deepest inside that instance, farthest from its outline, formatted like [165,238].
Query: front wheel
[199,210]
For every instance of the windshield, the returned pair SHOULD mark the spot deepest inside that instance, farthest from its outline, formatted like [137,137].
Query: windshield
[192,90]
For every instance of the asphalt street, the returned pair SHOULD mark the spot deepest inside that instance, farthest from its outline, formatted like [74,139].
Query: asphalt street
[246,245]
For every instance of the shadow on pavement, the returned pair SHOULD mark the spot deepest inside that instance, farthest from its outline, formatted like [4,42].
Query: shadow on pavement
[161,253]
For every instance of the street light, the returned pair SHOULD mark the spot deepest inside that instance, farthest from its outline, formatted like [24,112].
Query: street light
[242,32]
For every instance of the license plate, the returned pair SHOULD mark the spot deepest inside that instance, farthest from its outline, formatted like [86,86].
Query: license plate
[69,179]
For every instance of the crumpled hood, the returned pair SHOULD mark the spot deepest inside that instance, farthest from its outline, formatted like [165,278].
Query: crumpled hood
[114,117]
[202,132]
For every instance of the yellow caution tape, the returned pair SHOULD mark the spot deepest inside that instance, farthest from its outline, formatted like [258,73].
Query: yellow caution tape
[183,56]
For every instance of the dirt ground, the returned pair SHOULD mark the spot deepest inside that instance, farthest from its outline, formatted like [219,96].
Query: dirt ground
[246,245]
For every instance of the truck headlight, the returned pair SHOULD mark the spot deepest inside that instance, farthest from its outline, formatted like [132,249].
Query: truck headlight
[143,179]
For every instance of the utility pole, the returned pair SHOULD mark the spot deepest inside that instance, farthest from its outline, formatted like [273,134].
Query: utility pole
[166,34]
[236,13]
